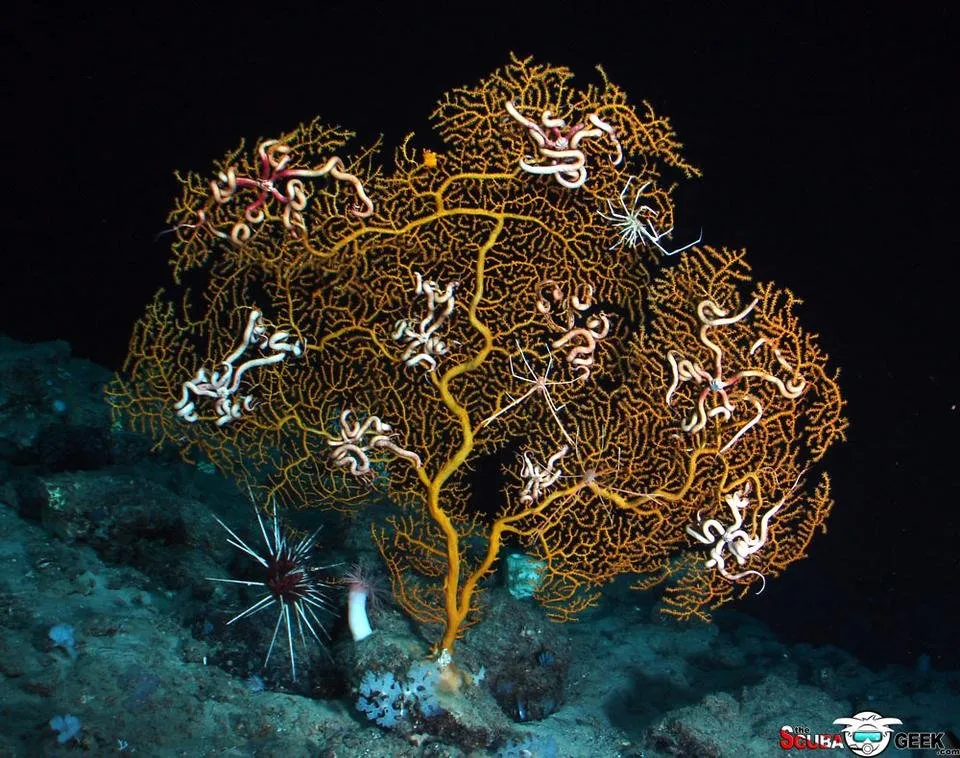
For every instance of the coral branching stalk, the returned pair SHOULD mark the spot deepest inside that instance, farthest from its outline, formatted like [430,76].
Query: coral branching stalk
[360,322]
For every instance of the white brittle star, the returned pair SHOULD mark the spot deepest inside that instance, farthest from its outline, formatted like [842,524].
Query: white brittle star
[423,346]
[558,144]
[734,538]
[536,477]
[683,370]
[350,450]
[595,327]
[222,386]
[580,356]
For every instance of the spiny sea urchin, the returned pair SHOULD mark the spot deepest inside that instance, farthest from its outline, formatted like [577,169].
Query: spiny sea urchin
[289,581]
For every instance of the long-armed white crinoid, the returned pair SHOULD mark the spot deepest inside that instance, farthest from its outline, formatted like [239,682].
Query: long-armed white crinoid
[289,581]
[635,223]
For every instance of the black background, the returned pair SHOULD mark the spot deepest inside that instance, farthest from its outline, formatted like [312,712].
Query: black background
[826,136]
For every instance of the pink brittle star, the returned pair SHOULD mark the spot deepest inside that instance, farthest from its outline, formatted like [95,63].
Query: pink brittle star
[274,159]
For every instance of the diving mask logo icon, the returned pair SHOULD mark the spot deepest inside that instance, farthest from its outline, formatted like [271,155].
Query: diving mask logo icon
[867,733]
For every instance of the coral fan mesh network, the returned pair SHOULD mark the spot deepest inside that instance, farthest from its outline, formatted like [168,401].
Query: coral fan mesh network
[343,321]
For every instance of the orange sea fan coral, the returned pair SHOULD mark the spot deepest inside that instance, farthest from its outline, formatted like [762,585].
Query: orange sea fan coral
[339,327]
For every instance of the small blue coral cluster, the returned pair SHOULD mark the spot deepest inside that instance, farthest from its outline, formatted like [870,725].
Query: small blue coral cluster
[390,701]
[67,727]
